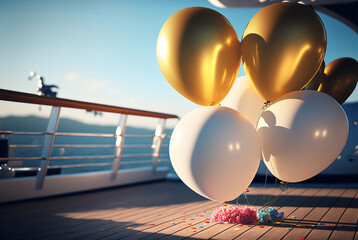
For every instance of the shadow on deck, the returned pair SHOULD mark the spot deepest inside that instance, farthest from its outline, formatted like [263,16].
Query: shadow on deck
[170,210]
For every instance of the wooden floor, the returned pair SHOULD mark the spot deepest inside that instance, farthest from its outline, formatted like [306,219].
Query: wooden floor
[169,210]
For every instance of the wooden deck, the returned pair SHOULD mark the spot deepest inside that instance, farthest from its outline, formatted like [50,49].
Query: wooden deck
[169,210]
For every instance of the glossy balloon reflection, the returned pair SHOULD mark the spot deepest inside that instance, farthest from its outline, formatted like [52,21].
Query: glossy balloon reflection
[301,134]
[342,77]
[283,47]
[216,152]
[198,52]
[317,79]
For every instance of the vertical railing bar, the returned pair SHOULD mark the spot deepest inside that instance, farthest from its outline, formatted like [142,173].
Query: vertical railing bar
[120,131]
[157,142]
[47,146]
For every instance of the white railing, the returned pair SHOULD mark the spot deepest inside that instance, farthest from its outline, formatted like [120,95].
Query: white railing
[119,135]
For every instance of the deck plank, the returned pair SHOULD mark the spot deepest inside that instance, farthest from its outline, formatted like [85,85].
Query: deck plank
[332,216]
[314,216]
[295,205]
[348,223]
[163,210]
[230,231]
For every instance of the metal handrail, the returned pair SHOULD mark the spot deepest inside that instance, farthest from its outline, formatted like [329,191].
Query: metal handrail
[120,135]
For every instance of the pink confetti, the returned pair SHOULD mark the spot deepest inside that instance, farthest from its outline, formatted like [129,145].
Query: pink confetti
[193,228]
[234,214]
[302,238]
[207,222]
[261,226]
[159,214]
[109,219]
[250,225]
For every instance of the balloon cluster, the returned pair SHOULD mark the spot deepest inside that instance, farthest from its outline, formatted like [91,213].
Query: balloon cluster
[216,150]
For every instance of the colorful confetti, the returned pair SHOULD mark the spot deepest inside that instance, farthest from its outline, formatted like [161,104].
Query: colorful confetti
[269,215]
[236,229]
[152,224]
[191,218]
[250,225]
[193,228]
[221,223]
[201,226]
[234,214]
[172,223]
[101,230]
[207,222]
[196,215]
[204,212]
[261,226]
[293,217]
[320,223]
[289,228]
[109,219]
[302,238]
[129,227]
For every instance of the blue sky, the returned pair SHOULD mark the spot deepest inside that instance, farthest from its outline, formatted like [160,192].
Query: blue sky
[104,51]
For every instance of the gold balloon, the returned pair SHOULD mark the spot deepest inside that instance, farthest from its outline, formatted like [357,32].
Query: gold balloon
[198,52]
[342,77]
[283,47]
[317,79]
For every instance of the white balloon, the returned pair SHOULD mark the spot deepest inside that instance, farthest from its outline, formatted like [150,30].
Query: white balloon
[301,134]
[215,151]
[243,98]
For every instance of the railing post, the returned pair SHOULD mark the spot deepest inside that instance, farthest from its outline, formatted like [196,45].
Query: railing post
[157,142]
[47,146]
[120,131]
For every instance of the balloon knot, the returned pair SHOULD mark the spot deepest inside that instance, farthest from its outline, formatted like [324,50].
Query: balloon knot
[284,186]
[266,105]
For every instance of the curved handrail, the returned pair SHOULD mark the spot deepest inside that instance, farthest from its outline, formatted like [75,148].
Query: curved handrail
[14,96]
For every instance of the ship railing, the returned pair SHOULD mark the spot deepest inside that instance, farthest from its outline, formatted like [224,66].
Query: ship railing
[120,135]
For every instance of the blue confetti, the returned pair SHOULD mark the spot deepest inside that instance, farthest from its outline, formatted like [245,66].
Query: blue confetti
[293,217]
[221,223]
[269,215]
[320,224]
[191,218]
[288,228]
[196,215]
[209,216]
[173,223]
[210,212]
[201,226]
[204,212]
